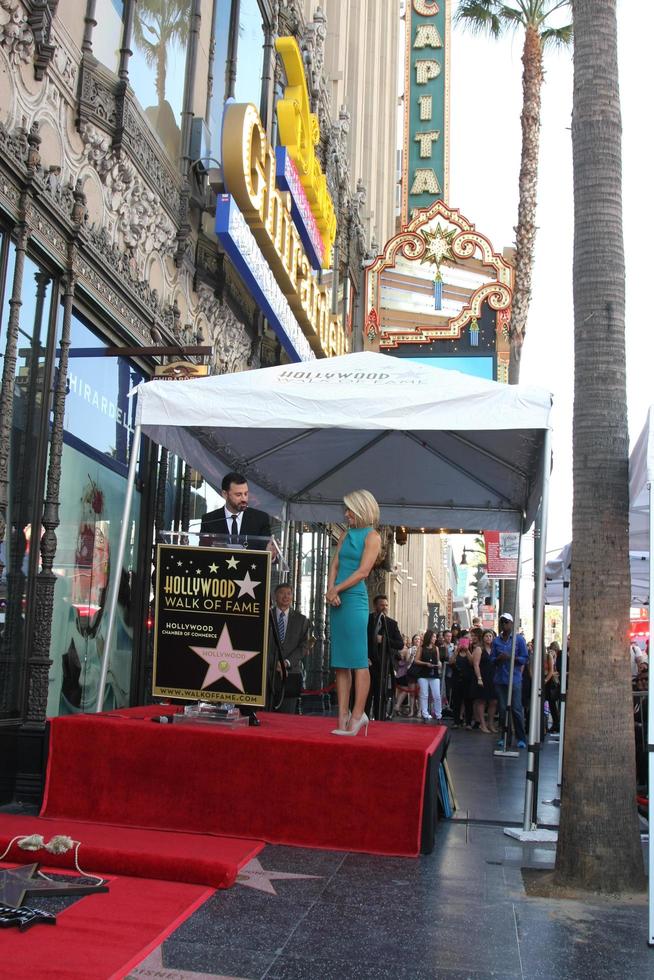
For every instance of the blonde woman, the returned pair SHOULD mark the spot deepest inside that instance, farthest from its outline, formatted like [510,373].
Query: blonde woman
[356,553]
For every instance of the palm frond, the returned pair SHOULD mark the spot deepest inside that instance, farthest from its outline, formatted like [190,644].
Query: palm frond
[557,37]
[479,17]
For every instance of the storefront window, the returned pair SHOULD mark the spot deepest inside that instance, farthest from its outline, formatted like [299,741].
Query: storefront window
[18,553]
[108,35]
[221,47]
[98,434]
[249,60]
[158,64]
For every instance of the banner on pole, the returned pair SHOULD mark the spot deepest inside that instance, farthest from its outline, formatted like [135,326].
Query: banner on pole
[211,624]
[502,548]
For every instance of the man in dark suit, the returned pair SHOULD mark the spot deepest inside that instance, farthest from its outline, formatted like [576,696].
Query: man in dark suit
[236,520]
[384,642]
[294,633]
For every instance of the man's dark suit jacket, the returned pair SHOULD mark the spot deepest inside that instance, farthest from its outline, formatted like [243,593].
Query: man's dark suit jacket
[395,639]
[254,522]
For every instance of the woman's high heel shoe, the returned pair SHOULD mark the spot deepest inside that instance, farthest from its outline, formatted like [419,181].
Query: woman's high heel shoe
[355,726]
[343,731]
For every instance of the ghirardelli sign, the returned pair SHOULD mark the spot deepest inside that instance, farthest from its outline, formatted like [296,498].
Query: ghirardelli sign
[180,371]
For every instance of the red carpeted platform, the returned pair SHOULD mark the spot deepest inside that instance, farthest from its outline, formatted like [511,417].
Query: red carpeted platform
[103,935]
[201,859]
[286,782]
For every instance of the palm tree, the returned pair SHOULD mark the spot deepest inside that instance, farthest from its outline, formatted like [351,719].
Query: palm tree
[599,843]
[535,18]
[157,25]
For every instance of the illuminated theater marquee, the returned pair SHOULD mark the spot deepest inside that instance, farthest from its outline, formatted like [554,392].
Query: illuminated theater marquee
[249,167]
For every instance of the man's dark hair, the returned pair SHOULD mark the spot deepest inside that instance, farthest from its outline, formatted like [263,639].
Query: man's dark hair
[230,478]
[374,601]
[283,585]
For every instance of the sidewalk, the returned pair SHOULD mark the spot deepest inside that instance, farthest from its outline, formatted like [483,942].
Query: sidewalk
[459,914]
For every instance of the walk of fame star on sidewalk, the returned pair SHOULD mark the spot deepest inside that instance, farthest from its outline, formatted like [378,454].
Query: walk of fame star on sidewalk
[254,876]
[224,661]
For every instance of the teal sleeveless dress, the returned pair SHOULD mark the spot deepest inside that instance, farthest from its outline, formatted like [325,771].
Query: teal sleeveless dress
[349,621]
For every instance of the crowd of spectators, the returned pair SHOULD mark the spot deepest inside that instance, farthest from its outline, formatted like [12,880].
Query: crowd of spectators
[462,676]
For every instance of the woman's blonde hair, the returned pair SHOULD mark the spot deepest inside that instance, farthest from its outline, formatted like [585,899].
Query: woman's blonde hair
[364,507]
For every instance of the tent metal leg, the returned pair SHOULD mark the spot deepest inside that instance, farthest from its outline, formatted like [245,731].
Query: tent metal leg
[118,567]
[563,680]
[533,744]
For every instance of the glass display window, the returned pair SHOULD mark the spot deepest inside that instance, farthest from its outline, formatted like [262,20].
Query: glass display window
[249,56]
[98,437]
[158,65]
[108,36]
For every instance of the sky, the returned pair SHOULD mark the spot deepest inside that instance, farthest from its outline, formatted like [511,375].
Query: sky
[486,99]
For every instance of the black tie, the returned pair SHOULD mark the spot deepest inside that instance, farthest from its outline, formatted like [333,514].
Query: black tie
[234,526]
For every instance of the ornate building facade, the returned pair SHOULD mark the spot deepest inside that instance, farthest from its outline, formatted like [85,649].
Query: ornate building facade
[110,162]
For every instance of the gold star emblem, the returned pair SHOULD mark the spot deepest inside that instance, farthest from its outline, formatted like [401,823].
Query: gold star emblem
[213,568]
[232,563]
[439,246]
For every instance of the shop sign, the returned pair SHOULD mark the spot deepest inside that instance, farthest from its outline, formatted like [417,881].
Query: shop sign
[211,624]
[180,371]
[502,549]
[299,132]
[426,120]
[288,179]
[241,246]
[249,168]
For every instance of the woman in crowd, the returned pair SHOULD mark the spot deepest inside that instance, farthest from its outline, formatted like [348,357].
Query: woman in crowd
[356,553]
[462,674]
[485,696]
[551,689]
[428,660]
[405,683]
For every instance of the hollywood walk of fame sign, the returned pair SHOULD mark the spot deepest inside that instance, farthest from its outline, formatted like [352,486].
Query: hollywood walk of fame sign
[16,883]
[211,623]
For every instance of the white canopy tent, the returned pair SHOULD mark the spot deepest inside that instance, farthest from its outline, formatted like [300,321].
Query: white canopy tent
[641,535]
[438,449]
[557,574]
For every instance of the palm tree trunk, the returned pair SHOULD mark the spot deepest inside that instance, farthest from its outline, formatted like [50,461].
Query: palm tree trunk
[532,80]
[599,843]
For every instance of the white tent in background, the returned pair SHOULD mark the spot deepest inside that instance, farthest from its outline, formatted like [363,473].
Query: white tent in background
[438,449]
[641,536]
[557,571]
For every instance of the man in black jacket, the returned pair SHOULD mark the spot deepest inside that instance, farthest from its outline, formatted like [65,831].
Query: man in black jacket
[384,642]
[295,636]
[236,520]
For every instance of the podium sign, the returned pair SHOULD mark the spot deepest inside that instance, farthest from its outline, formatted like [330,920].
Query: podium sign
[211,624]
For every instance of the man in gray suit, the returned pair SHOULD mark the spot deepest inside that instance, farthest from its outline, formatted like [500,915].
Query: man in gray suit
[294,632]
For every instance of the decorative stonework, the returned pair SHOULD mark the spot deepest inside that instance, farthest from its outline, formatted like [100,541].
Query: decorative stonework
[16,36]
[143,224]
[232,347]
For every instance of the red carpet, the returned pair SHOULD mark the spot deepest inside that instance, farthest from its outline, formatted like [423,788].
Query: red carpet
[101,936]
[202,859]
[287,782]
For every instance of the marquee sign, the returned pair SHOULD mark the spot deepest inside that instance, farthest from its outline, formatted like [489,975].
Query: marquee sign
[241,246]
[250,169]
[439,246]
[425,168]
